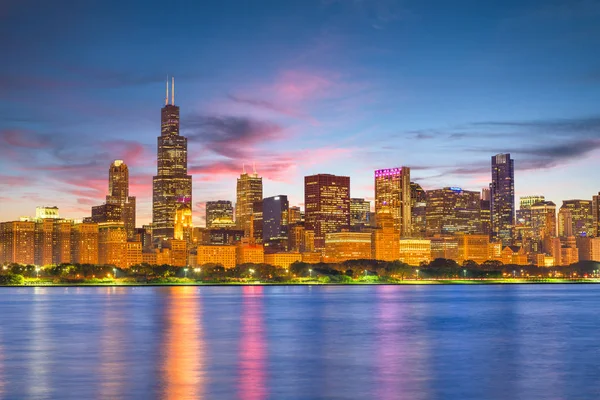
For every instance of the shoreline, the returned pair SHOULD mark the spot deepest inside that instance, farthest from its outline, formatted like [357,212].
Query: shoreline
[429,282]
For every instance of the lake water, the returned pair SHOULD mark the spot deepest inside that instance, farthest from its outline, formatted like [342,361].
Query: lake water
[299,342]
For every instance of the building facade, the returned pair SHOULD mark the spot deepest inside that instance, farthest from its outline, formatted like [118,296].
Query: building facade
[249,191]
[393,192]
[502,194]
[451,210]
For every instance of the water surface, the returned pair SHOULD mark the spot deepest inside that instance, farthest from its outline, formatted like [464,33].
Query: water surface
[300,342]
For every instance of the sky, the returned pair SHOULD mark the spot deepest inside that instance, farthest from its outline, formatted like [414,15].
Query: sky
[296,87]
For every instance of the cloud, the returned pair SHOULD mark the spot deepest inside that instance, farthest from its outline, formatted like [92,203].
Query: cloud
[270,106]
[231,136]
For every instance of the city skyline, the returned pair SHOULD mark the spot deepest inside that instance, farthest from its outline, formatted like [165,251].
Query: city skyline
[362,86]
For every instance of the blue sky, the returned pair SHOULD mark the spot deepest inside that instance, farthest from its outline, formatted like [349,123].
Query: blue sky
[296,87]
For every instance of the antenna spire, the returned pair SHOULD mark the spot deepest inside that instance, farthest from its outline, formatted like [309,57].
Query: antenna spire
[173,91]
[167,92]
[254,167]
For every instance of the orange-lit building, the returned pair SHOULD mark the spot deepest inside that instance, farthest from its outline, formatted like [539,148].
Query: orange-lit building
[44,244]
[249,253]
[84,243]
[544,260]
[342,246]
[515,255]
[61,242]
[386,237]
[415,251]
[473,247]
[224,255]
[282,260]
[249,191]
[112,244]
[183,223]
[17,242]
[179,252]
[134,254]
[312,257]
[444,247]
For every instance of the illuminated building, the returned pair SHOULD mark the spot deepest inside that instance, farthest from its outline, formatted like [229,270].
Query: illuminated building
[112,244]
[543,219]
[452,210]
[119,205]
[485,213]
[256,222]
[149,256]
[495,251]
[282,260]
[415,251]
[220,211]
[146,236]
[596,214]
[224,255]
[444,247]
[17,242]
[249,191]
[172,185]
[360,213]
[249,253]
[309,240]
[589,248]
[543,260]
[473,247]
[223,236]
[342,246]
[183,223]
[311,257]
[45,212]
[327,205]
[275,231]
[393,192]
[502,191]
[178,252]
[61,241]
[565,222]
[84,245]
[386,238]
[581,218]
[514,255]
[525,202]
[486,194]
[44,243]
[569,255]
[133,254]
[418,211]
[296,238]
[295,215]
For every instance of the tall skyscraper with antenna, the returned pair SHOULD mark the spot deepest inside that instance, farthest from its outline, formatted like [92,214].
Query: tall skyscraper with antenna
[172,185]
[249,191]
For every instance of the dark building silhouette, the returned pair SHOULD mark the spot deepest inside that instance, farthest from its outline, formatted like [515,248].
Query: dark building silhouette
[172,185]
[502,196]
[275,223]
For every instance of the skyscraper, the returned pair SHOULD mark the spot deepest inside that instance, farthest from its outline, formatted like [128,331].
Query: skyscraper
[360,213]
[418,210]
[249,191]
[275,223]
[393,192]
[119,205]
[582,218]
[219,211]
[452,210]
[502,191]
[326,205]
[172,185]
[596,214]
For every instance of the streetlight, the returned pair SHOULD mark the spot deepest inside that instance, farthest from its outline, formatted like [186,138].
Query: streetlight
[115,272]
[185,272]
[37,272]
[417,274]
[310,272]
[465,273]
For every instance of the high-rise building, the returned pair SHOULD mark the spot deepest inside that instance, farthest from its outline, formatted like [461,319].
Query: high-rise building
[393,192]
[418,211]
[256,223]
[217,212]
[84,245]
[327,205]
[46,212]
[17,242]
[249,191]
[581,218]
[275,232]
[172,185]
[524,211]
[119,205]
[543,220]
[452,210]
[565,222]
[112,244]
[485,194]
[386,238]
[485,214]
[502,191]
[360,213]
[183,223]
[295,215]
[596,215]
[415,251]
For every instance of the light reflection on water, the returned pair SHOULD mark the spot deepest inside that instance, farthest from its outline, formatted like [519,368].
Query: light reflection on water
[384,342]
